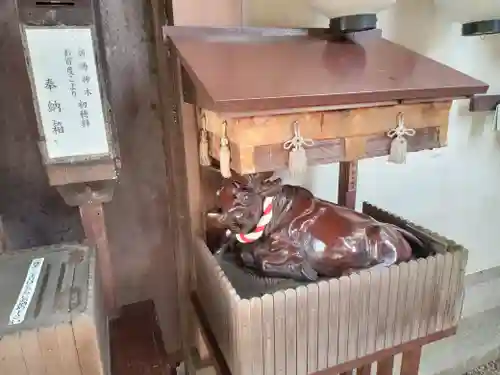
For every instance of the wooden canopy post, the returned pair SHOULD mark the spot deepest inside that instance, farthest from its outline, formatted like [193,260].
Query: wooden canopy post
[77,140]
[348,180]
[180,142]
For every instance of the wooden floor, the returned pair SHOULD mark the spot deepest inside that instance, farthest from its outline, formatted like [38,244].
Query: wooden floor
[136,342]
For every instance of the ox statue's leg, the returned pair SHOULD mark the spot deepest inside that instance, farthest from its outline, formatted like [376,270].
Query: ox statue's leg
[281,259]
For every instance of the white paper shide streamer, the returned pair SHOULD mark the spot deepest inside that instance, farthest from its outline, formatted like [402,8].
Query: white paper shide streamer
[297,158]
[399,144]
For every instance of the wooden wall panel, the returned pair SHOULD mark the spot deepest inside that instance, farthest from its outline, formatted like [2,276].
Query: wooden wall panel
[207,13]
[33,213]
[138,218]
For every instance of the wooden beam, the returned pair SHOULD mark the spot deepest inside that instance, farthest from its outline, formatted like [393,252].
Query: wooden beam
[248,159]
[265,129]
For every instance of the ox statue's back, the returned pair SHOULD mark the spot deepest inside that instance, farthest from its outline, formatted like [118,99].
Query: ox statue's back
[284,231]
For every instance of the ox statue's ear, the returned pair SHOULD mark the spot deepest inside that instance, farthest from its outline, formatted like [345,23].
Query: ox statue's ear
[237,179]
[258,180]
[270,187]
[231,183]
[258,177]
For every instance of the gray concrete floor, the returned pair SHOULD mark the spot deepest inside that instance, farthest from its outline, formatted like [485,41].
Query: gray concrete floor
[477,342]
[491,368]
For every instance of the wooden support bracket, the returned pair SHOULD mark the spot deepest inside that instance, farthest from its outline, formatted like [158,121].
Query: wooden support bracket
[484,102]
[85,193]
[90,197]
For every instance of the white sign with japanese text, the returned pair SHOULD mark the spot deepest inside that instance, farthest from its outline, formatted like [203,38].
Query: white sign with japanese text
[67,90]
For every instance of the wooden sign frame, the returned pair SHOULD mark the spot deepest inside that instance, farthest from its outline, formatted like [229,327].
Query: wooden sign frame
[80,32]
[97,163]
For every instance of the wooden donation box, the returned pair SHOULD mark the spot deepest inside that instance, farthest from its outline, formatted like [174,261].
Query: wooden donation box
[263,94]
[51,319]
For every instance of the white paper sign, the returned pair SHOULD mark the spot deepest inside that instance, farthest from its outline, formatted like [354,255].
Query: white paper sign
[67,89]
[27,292]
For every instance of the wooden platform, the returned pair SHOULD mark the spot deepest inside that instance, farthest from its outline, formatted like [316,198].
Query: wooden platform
[136,343]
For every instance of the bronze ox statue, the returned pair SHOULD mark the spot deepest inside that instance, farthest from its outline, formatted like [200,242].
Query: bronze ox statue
[284,231]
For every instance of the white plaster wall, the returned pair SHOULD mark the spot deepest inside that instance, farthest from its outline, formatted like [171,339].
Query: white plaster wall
[454,190]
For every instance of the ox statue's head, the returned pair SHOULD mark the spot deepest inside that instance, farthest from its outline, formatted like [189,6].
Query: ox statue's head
[240,202]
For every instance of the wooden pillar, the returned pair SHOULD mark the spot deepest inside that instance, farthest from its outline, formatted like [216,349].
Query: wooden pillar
[181,142]
[348,180]
[411,361]
[90,198]
[384,366]
[364,370]
[177,181]
[92,214]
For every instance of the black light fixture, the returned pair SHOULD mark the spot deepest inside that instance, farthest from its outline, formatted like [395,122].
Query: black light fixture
[349,17]
[479,28]
[353,23]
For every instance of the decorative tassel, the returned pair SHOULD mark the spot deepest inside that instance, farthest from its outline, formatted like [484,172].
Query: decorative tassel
[225,154]
[399,149]
[297,162]
[297,158]
[204,154]
[399,145]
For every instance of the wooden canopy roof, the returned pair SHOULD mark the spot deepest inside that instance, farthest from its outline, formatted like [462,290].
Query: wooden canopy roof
[255,69]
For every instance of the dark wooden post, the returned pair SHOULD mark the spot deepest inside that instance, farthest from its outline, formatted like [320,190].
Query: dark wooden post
[179,145]
[94,225]
[411,361]
[90,198]
[348,180]
[384,366]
